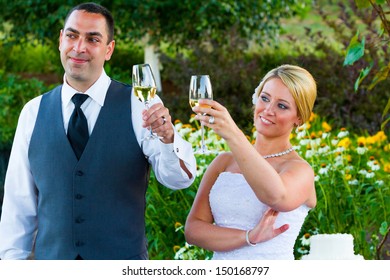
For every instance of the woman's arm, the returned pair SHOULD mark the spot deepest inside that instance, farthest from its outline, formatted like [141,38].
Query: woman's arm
[283,190]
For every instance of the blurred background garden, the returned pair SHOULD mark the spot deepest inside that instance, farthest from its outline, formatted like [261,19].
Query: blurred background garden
[344,44]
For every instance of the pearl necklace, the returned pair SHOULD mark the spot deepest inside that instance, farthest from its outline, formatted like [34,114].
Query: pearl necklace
[279,154]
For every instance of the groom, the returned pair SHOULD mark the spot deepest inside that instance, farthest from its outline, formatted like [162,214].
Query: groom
[61,205]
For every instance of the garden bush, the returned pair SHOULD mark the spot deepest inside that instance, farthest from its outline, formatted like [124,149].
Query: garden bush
[235,76]
[14,93]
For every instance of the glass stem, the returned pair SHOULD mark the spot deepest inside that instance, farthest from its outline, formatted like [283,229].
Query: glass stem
[203,147]
[150,127]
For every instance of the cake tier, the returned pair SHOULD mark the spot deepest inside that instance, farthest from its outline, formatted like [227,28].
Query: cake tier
[337,246]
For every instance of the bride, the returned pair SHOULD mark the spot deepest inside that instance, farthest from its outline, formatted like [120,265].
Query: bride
[253,200]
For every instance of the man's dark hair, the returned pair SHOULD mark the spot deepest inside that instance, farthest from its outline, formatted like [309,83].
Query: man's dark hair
[94,8]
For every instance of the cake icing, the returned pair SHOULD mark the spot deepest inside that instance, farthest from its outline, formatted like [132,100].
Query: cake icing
[337,246]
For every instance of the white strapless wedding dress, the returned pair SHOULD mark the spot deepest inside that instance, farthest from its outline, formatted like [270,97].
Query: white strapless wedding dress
[234,205]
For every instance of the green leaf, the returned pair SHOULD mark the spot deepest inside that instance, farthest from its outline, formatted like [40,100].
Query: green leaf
[384,228]
[386,110]
[381,75]
[384,123]
[355,50]
[362,3]
[363,73]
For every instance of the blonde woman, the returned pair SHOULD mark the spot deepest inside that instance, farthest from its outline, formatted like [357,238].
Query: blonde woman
[253,200]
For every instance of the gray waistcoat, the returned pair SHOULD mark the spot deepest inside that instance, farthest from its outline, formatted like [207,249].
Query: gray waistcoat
[93,207]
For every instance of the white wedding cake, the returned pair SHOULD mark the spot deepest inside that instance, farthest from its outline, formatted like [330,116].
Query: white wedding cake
[337,246]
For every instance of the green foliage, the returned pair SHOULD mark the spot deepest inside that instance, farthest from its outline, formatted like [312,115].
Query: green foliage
[181,22]
[124,57]
[351,181]
[14,93]
[355,50]
[175,22]
[38,18]
[378,37]
[32,58]
[235,74]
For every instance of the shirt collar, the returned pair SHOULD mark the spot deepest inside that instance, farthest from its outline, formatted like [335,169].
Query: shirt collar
[97,91]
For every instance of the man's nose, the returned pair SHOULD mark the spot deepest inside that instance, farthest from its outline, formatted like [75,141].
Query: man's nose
[79,46]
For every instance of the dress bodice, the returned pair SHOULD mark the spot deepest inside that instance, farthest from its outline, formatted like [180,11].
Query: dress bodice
[235,205]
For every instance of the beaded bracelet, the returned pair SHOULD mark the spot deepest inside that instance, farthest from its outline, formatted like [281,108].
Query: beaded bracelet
[247,239]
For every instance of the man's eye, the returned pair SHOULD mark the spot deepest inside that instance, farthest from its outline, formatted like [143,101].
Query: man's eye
[94,40]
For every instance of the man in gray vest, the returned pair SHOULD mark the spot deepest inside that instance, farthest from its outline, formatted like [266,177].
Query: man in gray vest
[87,203]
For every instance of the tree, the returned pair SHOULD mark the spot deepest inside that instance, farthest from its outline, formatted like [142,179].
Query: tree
[372,46]
[155,21]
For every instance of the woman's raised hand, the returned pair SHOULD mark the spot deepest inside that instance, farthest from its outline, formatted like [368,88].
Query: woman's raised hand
[265,229]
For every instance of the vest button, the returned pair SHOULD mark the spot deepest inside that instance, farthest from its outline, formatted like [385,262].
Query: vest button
[79,196]
[79,243]
[79,220]
[79,173]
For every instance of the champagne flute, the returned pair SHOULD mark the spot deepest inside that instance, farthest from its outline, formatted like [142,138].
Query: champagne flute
[200,88]
[145,89]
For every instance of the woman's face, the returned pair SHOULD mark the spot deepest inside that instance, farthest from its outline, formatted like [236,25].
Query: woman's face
[275,111]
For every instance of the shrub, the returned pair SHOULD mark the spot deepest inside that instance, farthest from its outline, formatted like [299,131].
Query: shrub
[235,74]
[14,93]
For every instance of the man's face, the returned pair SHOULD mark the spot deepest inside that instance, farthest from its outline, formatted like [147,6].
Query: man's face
[84,49]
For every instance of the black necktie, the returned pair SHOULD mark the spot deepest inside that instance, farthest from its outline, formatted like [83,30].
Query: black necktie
[78,127]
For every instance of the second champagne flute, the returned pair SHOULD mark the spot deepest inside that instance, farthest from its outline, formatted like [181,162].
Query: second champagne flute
[145,88]
[200,88]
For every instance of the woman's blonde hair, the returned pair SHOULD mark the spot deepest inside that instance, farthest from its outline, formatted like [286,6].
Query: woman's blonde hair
[300,83]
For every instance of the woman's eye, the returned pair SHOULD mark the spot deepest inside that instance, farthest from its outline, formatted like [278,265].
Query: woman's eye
[264,98]
[282,106]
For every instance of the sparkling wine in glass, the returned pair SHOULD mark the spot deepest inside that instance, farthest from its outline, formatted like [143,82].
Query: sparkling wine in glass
[200,88]
[145,89]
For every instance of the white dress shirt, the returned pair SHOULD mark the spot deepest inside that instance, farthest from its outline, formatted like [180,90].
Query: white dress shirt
[19,212]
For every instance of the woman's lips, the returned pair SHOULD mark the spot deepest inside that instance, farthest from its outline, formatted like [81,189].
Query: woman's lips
[266,121]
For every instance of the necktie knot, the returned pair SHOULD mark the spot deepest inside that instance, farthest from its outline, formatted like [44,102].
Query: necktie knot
[79,98]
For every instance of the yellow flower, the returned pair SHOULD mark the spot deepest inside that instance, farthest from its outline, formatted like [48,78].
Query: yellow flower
[348,177]
[312,117]
[176,248]
[326,127]
[177,121]
[380,136]
[345,142]
[387,168]
[377,138]
[361,141]
[178,224]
